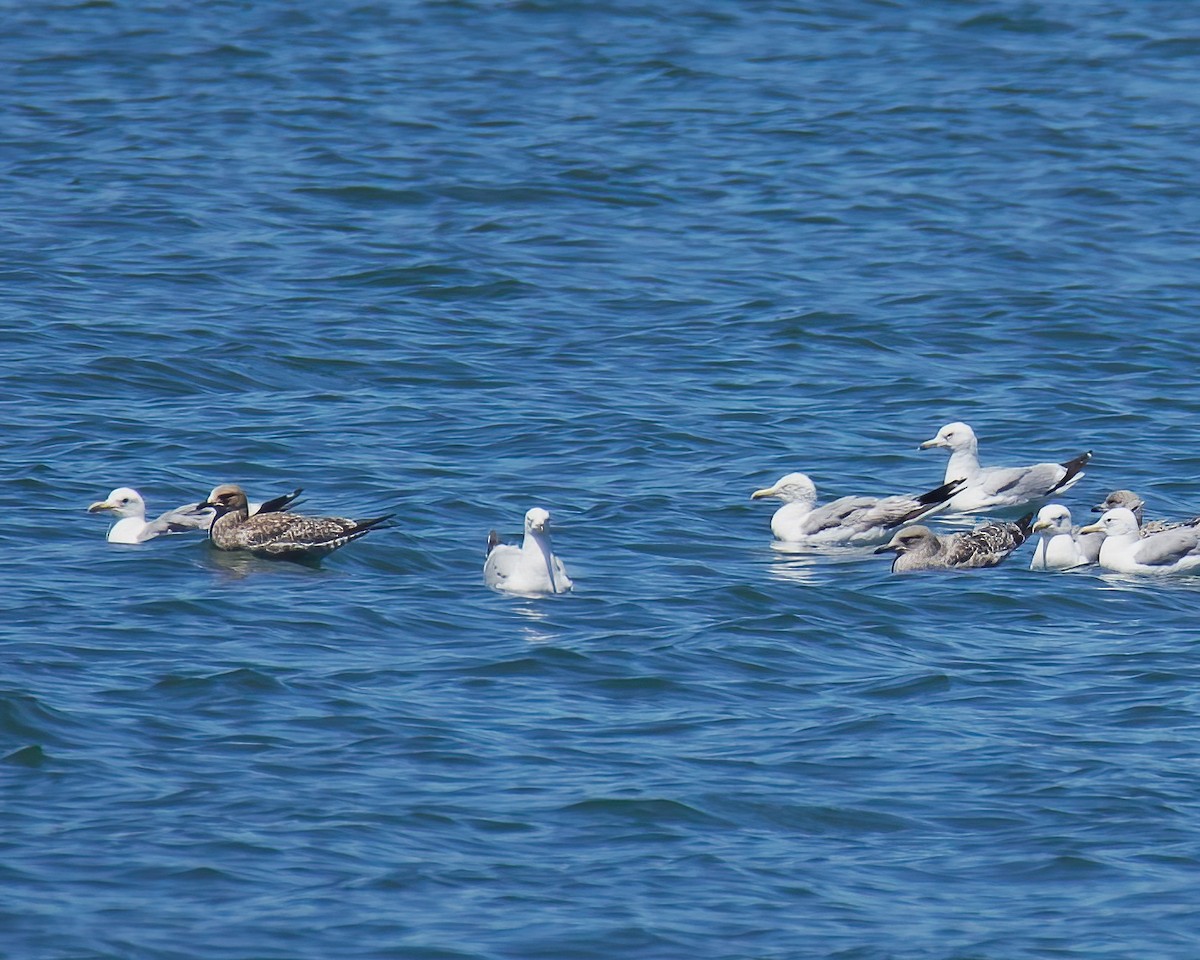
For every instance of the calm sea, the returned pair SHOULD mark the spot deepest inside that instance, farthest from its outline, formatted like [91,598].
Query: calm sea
[628,261]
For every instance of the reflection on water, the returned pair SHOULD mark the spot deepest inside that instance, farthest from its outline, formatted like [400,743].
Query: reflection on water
[237,565]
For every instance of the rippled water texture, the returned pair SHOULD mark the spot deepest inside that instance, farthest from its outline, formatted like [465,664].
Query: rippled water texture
[629,262]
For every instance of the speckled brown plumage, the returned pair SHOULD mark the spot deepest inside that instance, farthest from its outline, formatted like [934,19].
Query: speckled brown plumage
[284,535]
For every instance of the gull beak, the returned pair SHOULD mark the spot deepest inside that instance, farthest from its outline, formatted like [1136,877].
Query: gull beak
[1092,528]
[1041,525]
[888,548]
[204,505]
[763,493]
[101,505]
[934,442]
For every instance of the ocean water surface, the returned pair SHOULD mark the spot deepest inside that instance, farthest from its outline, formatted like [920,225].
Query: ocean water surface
[629,262]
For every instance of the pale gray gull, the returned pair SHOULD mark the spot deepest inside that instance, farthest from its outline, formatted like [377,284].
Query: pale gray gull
[919,548]
[1125,550]
[1132,502]
[1000,491]
[848,521]
[127,505]
[1059,545]
[288,536]
[531,568]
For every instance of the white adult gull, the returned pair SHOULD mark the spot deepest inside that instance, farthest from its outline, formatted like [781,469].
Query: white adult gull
[1132,502]
[848,521]
[531,568]
[1000,491]
[1125,550]
[919,548]
[128,506]
[1059,546]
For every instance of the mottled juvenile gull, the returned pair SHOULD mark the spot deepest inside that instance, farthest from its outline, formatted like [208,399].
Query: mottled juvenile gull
[1125,550]
[529,568]
[848,521]
[1132,502]
[919,548]
[288,536]
[127,505]
[1058,546]
[1000,491]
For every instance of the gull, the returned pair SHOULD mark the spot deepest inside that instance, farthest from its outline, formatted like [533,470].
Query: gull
[1001,491]
[1132,502]
[288,536]
[132,526]
[847,521]
[919,548]
[1125,550]
[1059,545]
[530,568]
[127,505]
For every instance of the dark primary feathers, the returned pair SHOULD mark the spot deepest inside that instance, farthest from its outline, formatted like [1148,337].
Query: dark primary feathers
[276,534]
[919,548]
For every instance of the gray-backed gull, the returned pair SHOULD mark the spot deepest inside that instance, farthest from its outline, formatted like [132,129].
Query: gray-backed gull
[848,521]
[530,568]
[1000,491]
[1125,550]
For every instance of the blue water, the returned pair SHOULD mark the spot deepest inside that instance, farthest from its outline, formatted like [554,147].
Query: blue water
[629,262]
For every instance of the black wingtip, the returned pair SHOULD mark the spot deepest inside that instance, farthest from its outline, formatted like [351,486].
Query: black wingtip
[1025,525]
[944,492]
[493,541]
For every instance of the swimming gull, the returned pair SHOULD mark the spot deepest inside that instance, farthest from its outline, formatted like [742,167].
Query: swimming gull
[1000,491]
[530,568]
[919,548]
[127,505]
[1059,546]
[1125,550]
[289,536]
[847,521]
[1132,502]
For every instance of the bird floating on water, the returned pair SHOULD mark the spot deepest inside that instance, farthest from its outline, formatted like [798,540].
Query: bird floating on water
[132,526]
[847,521]
[531,568]
[280,535]
[1125,550]
[1005,492]
[919,548]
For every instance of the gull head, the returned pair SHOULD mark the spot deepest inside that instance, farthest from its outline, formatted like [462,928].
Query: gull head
[226,498]
[914,539]
[537,520]
[794,488]
[123,502]
[1121,498]
[955,436]
[1117,522]
[1053,518]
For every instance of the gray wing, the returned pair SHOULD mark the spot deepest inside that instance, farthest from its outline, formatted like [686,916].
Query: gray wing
[851,512]
[1021,483]
[501,561]
[180,520]
[1167,549]
[1090,544]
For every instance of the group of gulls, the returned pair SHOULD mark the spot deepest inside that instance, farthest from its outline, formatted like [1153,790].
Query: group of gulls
[269,529]
[1118,541]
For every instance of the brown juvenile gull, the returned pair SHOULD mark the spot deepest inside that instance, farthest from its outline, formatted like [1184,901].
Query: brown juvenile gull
[127,505]
[854,521]
[530,568]
[919,548]
[284,535]
[1000,491]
